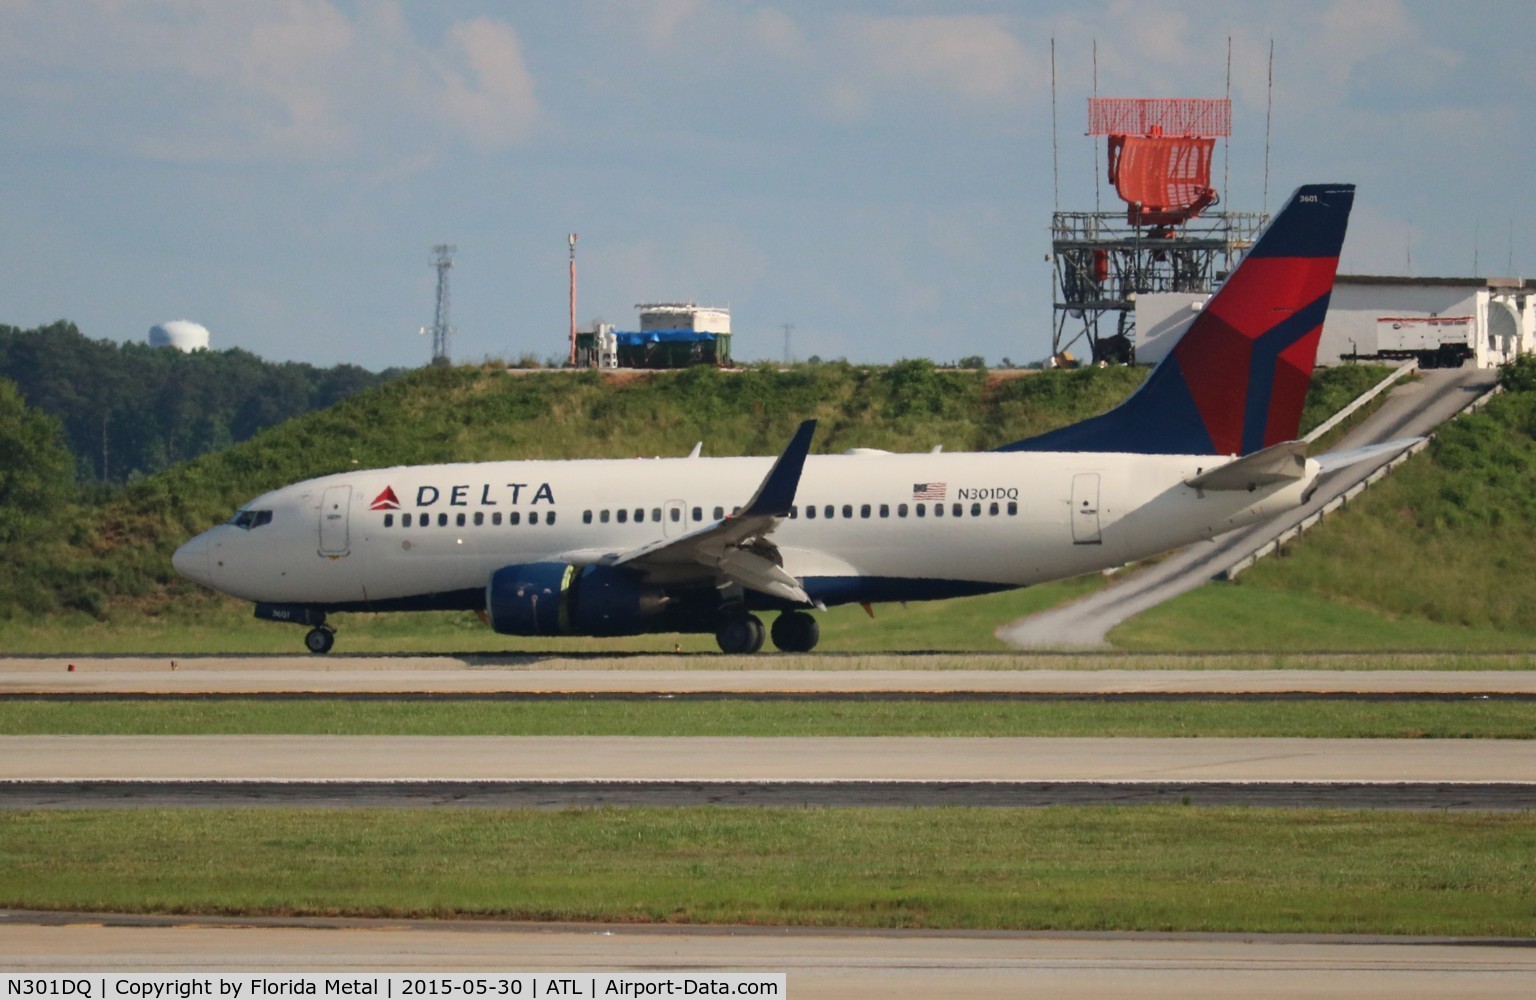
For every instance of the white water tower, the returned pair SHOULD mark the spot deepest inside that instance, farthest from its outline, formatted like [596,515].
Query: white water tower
[182,334]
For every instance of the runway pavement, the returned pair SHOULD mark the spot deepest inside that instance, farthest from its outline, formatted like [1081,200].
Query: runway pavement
[448,675]
[768,759]
[818,963]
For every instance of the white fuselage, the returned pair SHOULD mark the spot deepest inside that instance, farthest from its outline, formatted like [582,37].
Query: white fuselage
[1007,519]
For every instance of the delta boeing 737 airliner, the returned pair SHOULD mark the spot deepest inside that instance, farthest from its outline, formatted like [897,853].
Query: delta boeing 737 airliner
[625,547]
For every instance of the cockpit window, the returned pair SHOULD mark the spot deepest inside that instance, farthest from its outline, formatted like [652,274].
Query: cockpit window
[249,519]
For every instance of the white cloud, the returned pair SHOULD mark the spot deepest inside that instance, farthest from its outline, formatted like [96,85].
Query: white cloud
[289,80]
[495,103]
[973,57]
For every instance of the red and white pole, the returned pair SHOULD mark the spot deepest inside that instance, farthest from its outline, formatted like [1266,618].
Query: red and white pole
[572,240]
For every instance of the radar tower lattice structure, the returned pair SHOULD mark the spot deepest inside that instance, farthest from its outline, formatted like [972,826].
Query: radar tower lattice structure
[442,330]
[1159,159]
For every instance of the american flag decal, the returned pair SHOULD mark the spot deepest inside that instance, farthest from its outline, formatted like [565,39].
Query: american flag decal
[929,491]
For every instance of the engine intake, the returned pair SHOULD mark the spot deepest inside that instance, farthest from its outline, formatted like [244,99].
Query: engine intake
[560,599]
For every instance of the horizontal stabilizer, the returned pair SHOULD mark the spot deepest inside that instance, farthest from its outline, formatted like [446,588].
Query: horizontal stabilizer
[1278,463]
[1343,459]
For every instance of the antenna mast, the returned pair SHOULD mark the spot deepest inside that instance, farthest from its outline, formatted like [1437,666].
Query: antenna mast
[441,330]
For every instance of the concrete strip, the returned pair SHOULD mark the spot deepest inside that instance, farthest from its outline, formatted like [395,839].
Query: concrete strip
[401,676]
[627,758]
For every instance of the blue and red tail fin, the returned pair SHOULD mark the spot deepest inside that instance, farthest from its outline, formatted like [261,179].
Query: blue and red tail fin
[1236,380]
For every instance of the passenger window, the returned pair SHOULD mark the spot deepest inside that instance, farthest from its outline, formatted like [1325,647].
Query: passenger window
[827,511]
[957,509]
[676,513]
[496,517]
[549,517]
[793,512]
[656,514]
[698,513]
[810,511]
[1013,508]
[513,517]
[602,516]
[938,510]
[586,517]
[623,515]
[975,510]
[885,510]
[864,510]
[405,520]
[389,520]
[993,510]
[848,510]
[639,515]
[922,510]
[442,520]
[719,513]
[459,521]
[533,517]
[901,510]
[479,518]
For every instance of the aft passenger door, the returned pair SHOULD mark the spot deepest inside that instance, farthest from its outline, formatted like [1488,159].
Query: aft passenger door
[1085,509]
[334,510]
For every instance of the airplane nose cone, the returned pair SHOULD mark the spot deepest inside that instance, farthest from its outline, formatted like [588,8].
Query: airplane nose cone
[191,560]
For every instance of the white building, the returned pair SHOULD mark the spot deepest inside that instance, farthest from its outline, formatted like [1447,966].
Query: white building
[1485,321]
[683,316]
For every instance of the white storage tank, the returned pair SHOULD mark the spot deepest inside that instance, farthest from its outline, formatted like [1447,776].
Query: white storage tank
[182,334]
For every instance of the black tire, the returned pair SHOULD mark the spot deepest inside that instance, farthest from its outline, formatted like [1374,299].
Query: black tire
[796,632]
[741,635]
[319,640]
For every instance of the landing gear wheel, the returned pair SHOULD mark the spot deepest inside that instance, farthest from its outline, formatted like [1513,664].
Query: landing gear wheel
[741,635]
[320,640]
[796,632]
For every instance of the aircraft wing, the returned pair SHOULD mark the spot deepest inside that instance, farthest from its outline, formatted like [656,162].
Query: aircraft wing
[726,547]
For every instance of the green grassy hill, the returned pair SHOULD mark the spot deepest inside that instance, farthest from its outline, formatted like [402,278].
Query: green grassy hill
[105,582]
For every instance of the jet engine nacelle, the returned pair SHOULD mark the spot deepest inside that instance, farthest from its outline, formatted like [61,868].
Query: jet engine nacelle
[560,599]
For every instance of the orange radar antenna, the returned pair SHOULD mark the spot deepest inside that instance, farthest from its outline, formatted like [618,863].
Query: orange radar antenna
[1160,153]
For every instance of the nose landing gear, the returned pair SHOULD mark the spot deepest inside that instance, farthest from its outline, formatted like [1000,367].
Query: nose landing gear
[320,639]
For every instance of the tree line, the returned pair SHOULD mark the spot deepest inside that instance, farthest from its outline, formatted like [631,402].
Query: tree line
[131,410]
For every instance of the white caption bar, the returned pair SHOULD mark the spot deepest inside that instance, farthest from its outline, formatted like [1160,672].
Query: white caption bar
[394,986]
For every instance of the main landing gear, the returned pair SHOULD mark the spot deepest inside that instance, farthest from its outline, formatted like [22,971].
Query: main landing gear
[793,632]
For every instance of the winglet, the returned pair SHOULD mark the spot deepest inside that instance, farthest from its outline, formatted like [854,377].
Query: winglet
[777,493]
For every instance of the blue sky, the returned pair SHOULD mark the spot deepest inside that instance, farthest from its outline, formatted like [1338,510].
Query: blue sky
[879,175]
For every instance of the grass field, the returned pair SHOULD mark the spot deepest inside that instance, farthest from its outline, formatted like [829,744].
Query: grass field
[1240,616]
[1083,868]
[1217,617]
[1486,719]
